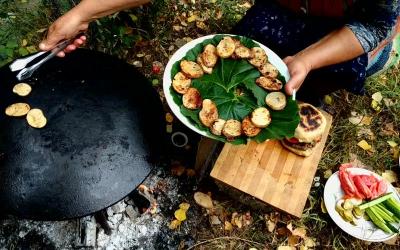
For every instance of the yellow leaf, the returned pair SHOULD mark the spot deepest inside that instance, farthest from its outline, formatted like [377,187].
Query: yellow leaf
[309,242]
[180,215]
[24,42]
[356,120]
[192,18]
[323,207]
[169,117]
[328,100]
[293,240]
[375,106]
[184,206]
[366,120]
[41,30]
[174,224]
[271,226]
[390,176]
[203,200]
[392,144]
[201,25]
[300,231]
[377,97]
[327,173]
[364,145]
[228,226]
[286,248]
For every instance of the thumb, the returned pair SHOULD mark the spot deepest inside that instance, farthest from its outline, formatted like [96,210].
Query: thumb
[293,84]
[288,59]
[50,41]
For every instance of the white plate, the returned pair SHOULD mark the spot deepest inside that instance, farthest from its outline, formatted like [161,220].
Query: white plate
[365,230]
[181,52]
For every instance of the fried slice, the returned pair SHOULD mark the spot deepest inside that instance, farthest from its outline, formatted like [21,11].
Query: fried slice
[242,52]
[191,69]
[232,129]
[206,69]
[36,118]
[192,99]
[226,47]
[217,126]
[181,83]
[209,56]
[276,100]
[208,113]
[249,128]
[261,117]
[271,84]
[22,89]
[17,109]
[268,70]
[258,57]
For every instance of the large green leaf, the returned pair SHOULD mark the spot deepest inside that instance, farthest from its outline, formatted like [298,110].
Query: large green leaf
[233,89]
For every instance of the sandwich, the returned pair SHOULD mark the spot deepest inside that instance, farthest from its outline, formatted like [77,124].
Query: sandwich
[309,131]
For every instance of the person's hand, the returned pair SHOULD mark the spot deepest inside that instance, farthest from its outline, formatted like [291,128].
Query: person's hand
[298,70]
[66,27]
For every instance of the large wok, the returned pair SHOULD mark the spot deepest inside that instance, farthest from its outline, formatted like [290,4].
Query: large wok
[104,133]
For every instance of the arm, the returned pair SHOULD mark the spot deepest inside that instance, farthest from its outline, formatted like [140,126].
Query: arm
[78,18]
[338,46]
[372,23]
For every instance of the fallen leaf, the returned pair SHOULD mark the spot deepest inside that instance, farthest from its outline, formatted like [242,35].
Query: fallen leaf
[293,240]
[228,226]
[392,144]
[366,120]
[184,206]
[178,170]
[41,30]
[388,130]
[323,207]
[375,106]
[327,173]
[396,152]
[388,102]
[214,220]
[377,97]
[169,128]
[364,145]
[356,120]
[290,227]
[303,248]
[237,220]
[300,231]
[24,42]
[309,242]
[390,176]
[392,241]
[201,25]
[286,248]
[328,100]
[192,18]
[283,231]
[180,215]
[169,117]
[174,224]
[203,200]
[270,225]
[366,132]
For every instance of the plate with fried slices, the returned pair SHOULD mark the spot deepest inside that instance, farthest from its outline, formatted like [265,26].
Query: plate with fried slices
[230,88]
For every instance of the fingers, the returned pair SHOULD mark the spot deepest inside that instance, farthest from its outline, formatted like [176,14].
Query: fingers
[288,59]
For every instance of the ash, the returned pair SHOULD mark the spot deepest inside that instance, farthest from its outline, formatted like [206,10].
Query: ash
[130,225]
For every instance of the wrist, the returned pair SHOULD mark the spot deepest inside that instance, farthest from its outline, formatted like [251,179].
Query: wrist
[305,61]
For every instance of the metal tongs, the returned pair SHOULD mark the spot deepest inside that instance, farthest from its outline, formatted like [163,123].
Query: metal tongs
[26,72]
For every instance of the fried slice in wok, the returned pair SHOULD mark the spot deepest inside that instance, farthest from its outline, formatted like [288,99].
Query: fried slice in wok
[17,109]
[36,118]
[22,89]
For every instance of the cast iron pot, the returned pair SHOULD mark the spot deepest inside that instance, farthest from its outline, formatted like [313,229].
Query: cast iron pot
[104,135]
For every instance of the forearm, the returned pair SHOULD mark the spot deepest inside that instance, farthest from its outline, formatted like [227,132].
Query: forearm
[338,46]
[90,10]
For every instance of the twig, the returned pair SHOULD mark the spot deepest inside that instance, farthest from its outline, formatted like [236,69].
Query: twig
[225,238]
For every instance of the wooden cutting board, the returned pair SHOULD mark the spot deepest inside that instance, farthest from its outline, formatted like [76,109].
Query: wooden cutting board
[269,172]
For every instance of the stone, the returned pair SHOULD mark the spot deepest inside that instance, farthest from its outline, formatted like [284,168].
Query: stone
[131,212]
[118,207]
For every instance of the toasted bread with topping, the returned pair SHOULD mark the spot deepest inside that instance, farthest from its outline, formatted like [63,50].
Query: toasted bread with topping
[249,128]
[270,84]
[261,117]
[191,69]
[226,47]
[192,99]
[181,83]
[208,113]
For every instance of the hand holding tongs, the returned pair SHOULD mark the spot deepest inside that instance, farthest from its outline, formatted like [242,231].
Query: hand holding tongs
[20,64]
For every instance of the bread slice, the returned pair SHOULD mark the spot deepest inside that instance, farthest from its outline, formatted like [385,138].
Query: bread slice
[208,113]
[191,69]
[269,70]
[258,57]
[226,47]
[249,128]
[276,100]
[217,126]
[209,56]
[312,123]
[232,129]
[270,84]
[261,117]
[192,99]
[181,83]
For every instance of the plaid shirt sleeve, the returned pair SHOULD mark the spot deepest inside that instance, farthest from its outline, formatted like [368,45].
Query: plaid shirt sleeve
[373,22]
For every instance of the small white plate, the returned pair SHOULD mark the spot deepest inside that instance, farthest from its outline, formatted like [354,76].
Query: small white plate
[181,52]
[365,230]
